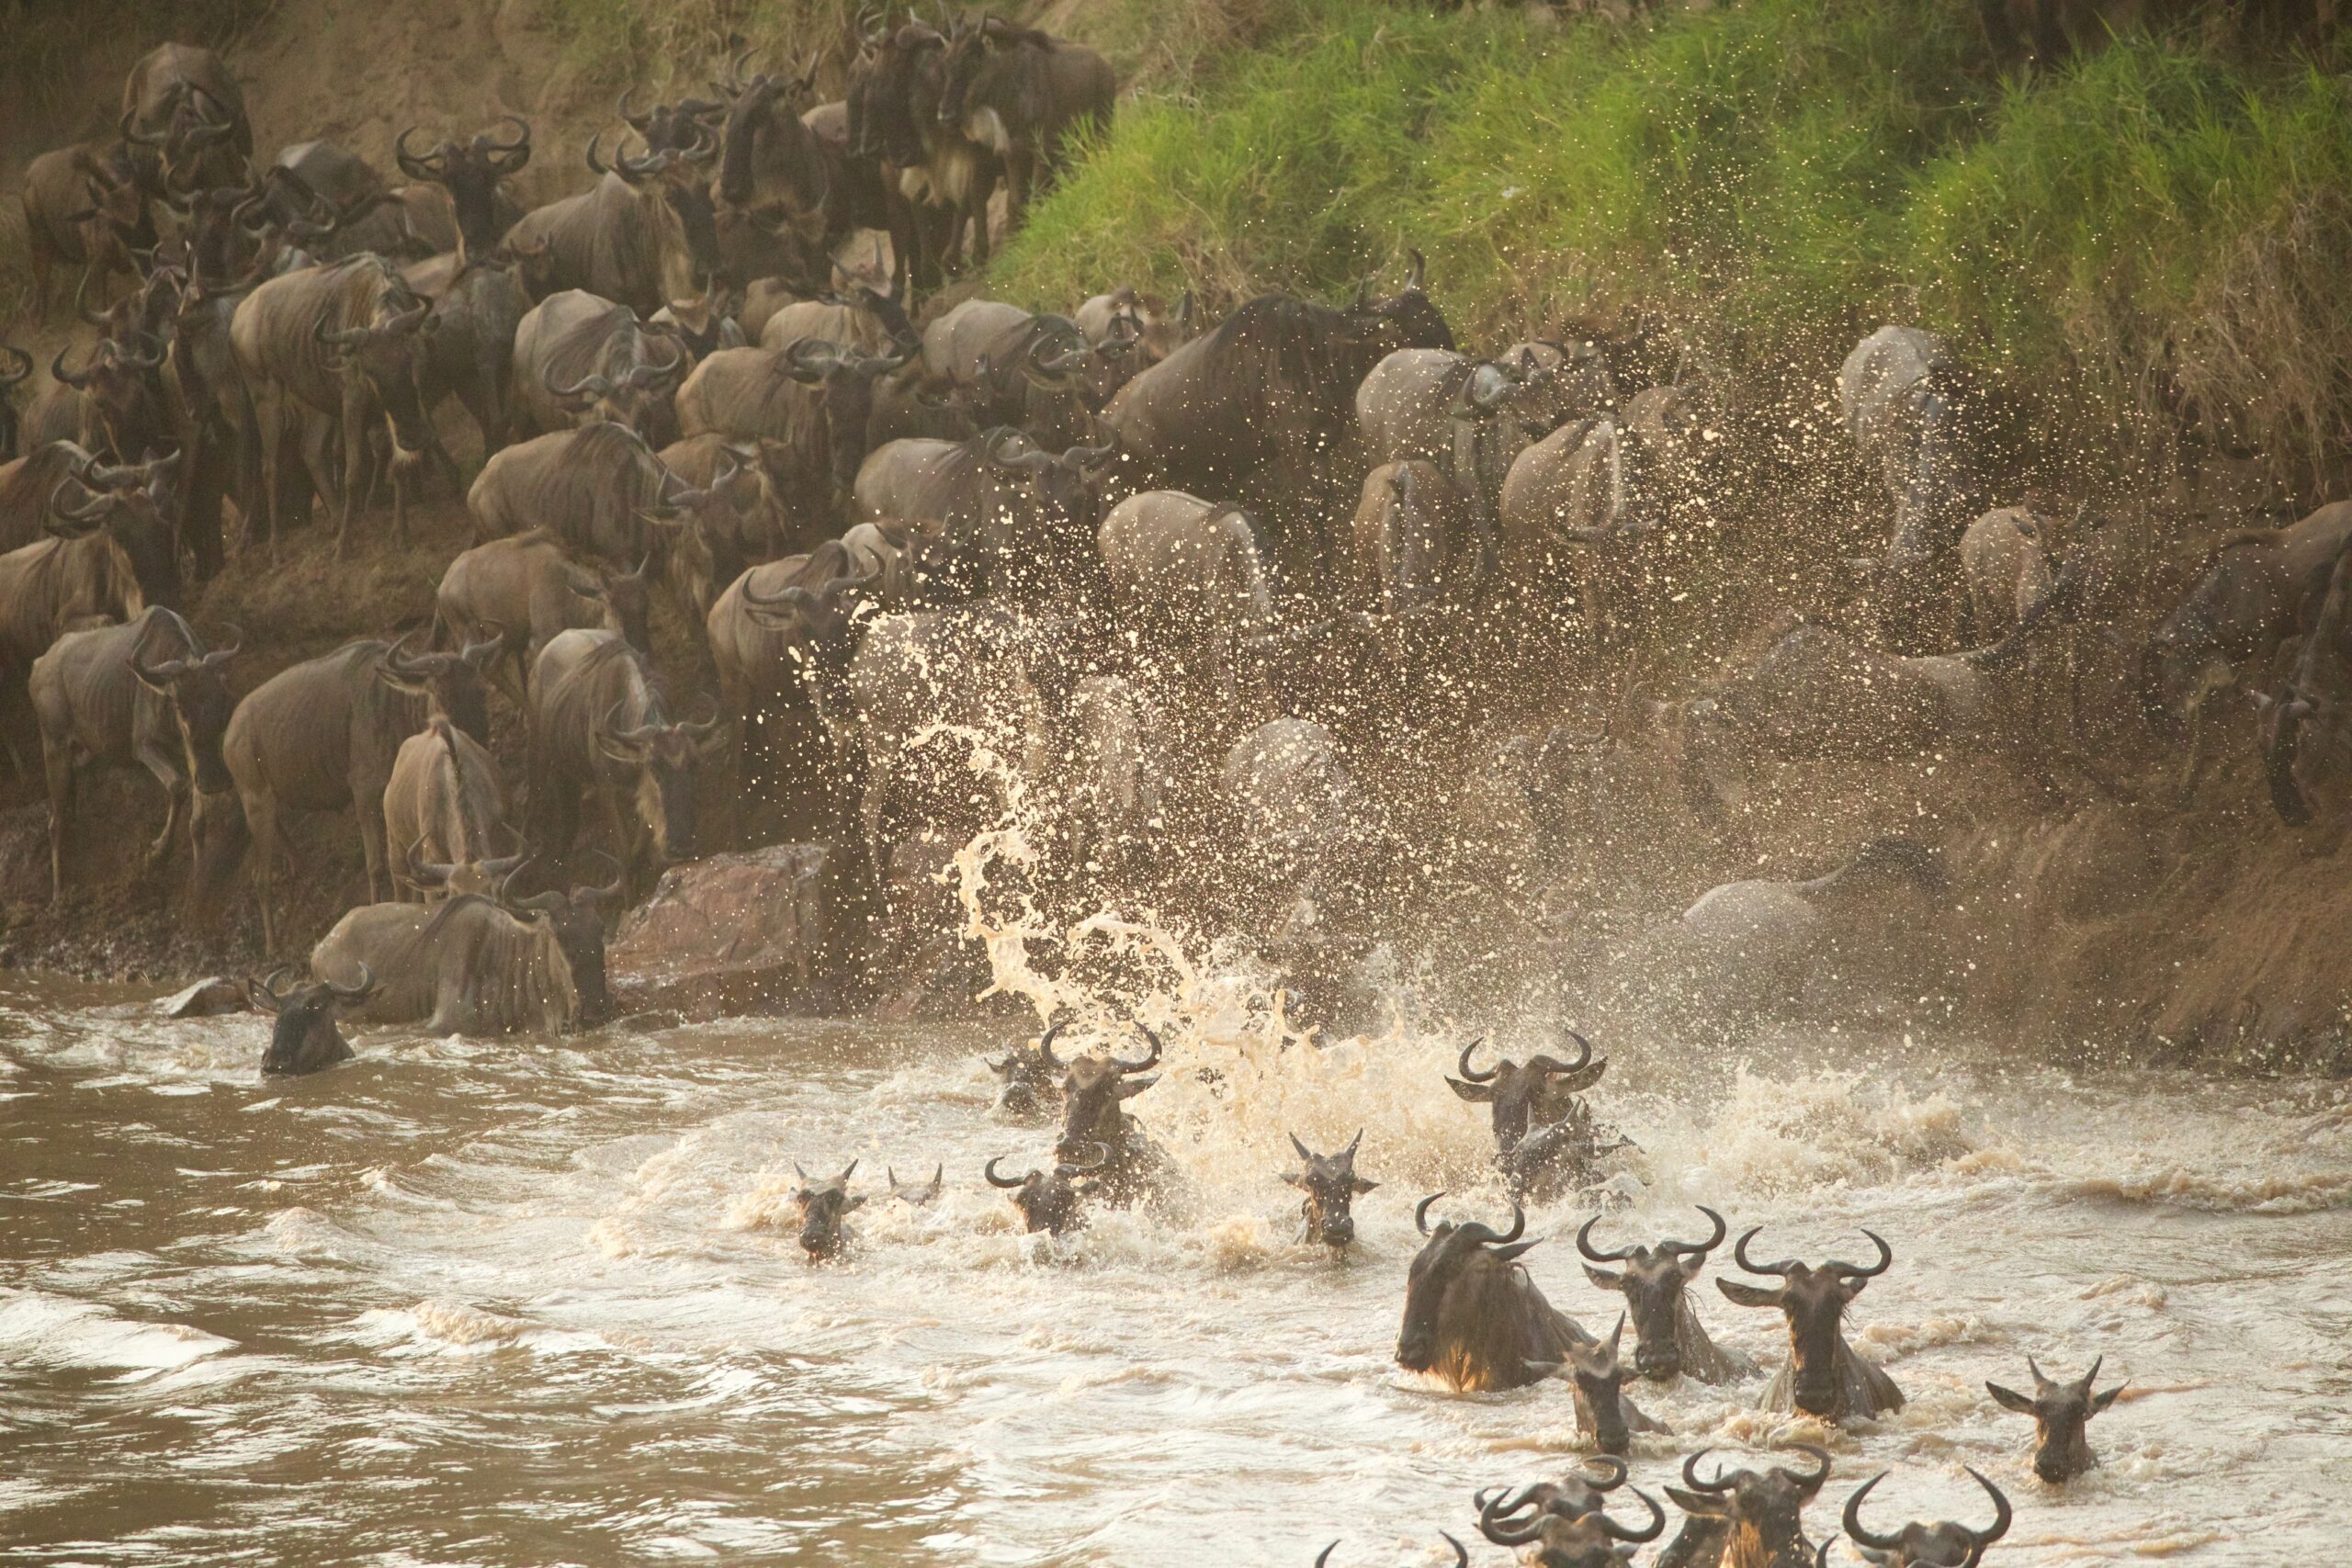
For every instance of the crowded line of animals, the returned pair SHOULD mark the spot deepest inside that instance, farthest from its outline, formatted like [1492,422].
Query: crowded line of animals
[1115,546]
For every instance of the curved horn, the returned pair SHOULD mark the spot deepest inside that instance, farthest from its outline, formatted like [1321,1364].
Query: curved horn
[988,1170]
[1585,1248]
[620,107]
[1486,1235]
[1503,1534]
[1740,1254]
[1151,1058]
[81,305]
[1101,1154]
[1421,1213]
[591,385]
[1467,1071]
[359,992]
[89,511]
[2001,1517]
[1615,1532]
[58,371]
[1821,1461]
[150,361]
[638,735]
[1719,1485]
[1855,1271]
[1613,1472]
[595,161]
[1045,1044]
[430,166]
[1853,1518]
[1700,1248]
[1413,286]
[2088,1378]
[1553,1064]
[508,156]
[24,363]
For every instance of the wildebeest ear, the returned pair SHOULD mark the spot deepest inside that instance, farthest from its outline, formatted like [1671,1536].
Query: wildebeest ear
[1849,1289]
[1472,1091]
[1293,1178]
[1747,1296]
[1515,1251]
[1604,1277]
[2009,1398]
[1363,1186]
[1134,1086]
[1691,1264]
[856,1202]
[1696,1502]
[2099,1401]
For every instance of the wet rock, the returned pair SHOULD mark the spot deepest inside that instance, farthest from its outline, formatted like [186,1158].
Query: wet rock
[737,934]
[205,998]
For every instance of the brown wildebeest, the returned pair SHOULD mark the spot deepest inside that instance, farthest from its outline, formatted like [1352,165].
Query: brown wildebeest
[598,722]
[1597,1378]
[1824,1375]
[1028,1078]
[304,1038]
[1332,1186]
[1947,1544]
[322,735]
[1896,396]
[915,1195]
[1093,1088]
[938,179]
[823,1205]
[904,569]
[579,359]
[1049,1203]
[183,118]
[444,805]
[1522,1098]
[782,636]
[1469,417]
[477,964]
[644,236]
[1014,367]
[110,553]
[470,172]
[2005,567]
[27,483]
[1589,1539]
[2306,745]
[1589,491]
[83,206]
[1296,813]
[1668,1338]
[124,414]
[1021,520]
[1416,539]
[10,379]
[591,488]
[864,319]
[529,587]
[763,518]
[785,174]
[813,400]
[1746,1518]
[1584,1491]
[1129,333]
[1022,93]
[1191,570]
[143,692]
[1472,1316]
[2062,1414]
[470,337]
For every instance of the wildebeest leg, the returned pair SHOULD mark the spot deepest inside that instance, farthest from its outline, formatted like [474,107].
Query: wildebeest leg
[1019,174]
[157,759]
[261,822]
[58,761]
[319,436]
[357,432]
[367,805]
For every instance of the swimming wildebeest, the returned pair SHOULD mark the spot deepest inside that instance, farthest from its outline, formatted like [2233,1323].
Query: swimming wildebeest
[1584,1491]
[1947,1544]
[304,1038]
[915,1194]
[1746,1518]
[1027,1077]
[1460,1553]
[1824,1376]
[1598,1379]
[1472,1316]
[1668,1338]
[1540,1139]
[823,1205]
[1049,1203]
[1589,1539]
[2062,1414]
[1331,1184]
[1094,1086]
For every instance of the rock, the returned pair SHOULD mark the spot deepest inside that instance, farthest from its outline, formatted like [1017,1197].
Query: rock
[205,998]
[757,932]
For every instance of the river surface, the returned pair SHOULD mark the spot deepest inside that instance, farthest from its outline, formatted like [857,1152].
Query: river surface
[515,1301]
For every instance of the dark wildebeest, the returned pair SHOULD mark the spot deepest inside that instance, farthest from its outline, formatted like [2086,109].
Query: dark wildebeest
[782,176]
[644,236]
[9,380]
[939,180]
[1331,1185]
[110,554]
[1895,394]
[2005,566]
[84,207]
[470,337]
[763,519]
[1522,1100]
[304,1039]
[443,803]
[812,400]
[1824,1375]
[1023,521]
[1022,93]
[1584,1491]
[1597,1378]
[579,359]
[591,488]
[322,735]
[1947,1544]
[1746,1519]
[598,722]
[1014,367]
[337,349]
[470,172]
[1029,1079]
[1588,1539]
[2062,1414]
[823,1205]
[1093,1088]
[477,964]
[1416,539]
[781,635]
[1668,1338]
[531,587]
[145,692]
[27,484]
[1472,1316]
[1050,1202]
[124,413]
[185,118]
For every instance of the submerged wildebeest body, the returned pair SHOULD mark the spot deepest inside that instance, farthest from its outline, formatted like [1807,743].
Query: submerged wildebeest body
[2062,1412]
[1896,396]
[1332,1186]
[1596,1379]
[1669,1340]
[823,1206]
[1947,1544]
[1585,1490]
[1590,493]
[580,358]
[1472,1316]
[475,965]
[1746,1519]
[145,692]
[1095,1087]
[1050,1200]
[303,1037]
[1761,941]
[1416,539]
[1824,1375]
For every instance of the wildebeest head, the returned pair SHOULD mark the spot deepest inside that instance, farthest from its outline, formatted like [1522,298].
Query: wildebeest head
[844,379]
[1764,1509]
[469,173]
[667,761]
[1460,1318]
[915,1194]
[16,365]
[451,683]
[383,355]
[628,604]
[577,920]
[118,221]
[822,622]
[1027,1077]
[675,174]
[1539,1091]
[481,876]
[197,145]
[1652,1282]
[2062,1412]
[895,87]
[1092,1087]
[1813,1300]
[1460,1553]
[137,508]
[823,1205]
[969,50]
[1589,1539]
[196,685]
[1598,1381]
[1050,1202]
[1407,320]
[667,126]
[1944,1544]
[1331,1184]
[1584,1491]
[124,393]
[1070,485]
[305,1039]
[640,396]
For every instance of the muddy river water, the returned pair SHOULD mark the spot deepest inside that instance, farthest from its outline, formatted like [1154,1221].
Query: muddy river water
[515,1301]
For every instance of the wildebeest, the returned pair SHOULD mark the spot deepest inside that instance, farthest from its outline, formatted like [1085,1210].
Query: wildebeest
[470,337]
[786,176]
[1896,396]
[83,206]
[944,178]
[1416,539]
[1468,417]
[901,569]
[1015,367]
[1522,1098]
[1296,810]
[864,319]
[591,488]
[913,1194]
[1588,493]
[336,349]
[1028,1079]
[1824,1375]
[123,412]
[478,965]
[2306,745]
[1332,1186]
[1472,1316]
[764,515]
[1947,1544]
[145,691]
[1129,333]
[110,553]
[185,118]
[812,400]
[1584,1491]
[322,735]
[304,1038]
[27,483]
[2005,567]
[579,359]
[1112,806]
[1093,1088]
[444,806]
[1668,1338]
[470,172]
[529,588]
[1021,521]
[2062,1412]
[1597,1378]
[1190,572]
[1021,94]
[11,378]
[823,1205]
[1760,942]
[1746,1518]
[781,635]
[1589,1539]
[598,722]
[644,236]
[1049,1202]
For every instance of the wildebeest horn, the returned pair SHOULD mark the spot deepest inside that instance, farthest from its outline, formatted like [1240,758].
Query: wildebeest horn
[508,156]
[620,108]
[591,385]
[1821,1461]
[1501,1534]
[1698,1249]
[429,166]
[1740,1254]
[1553,1064]
[24,363]
[1721,1484]
[1045,1044]
[138,138]
[87,512]
[646,375]
[1413,284]
[1853,1518]
[1593,1254]
[426,873]
[1993,1531]
[57,370]
[262,994]
[1151,1059]
[479,654]
[1479,1232]
[595,161]
[1655,1527]
[81,305]
[2088,1378]
[988,1170]
[1463,1066]
[611,891]
[358,993]
[1855,1271]
[1303,1151]
[1421,1213]
[634,736]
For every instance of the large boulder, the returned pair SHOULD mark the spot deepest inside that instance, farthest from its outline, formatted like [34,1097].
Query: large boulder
[757,932]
